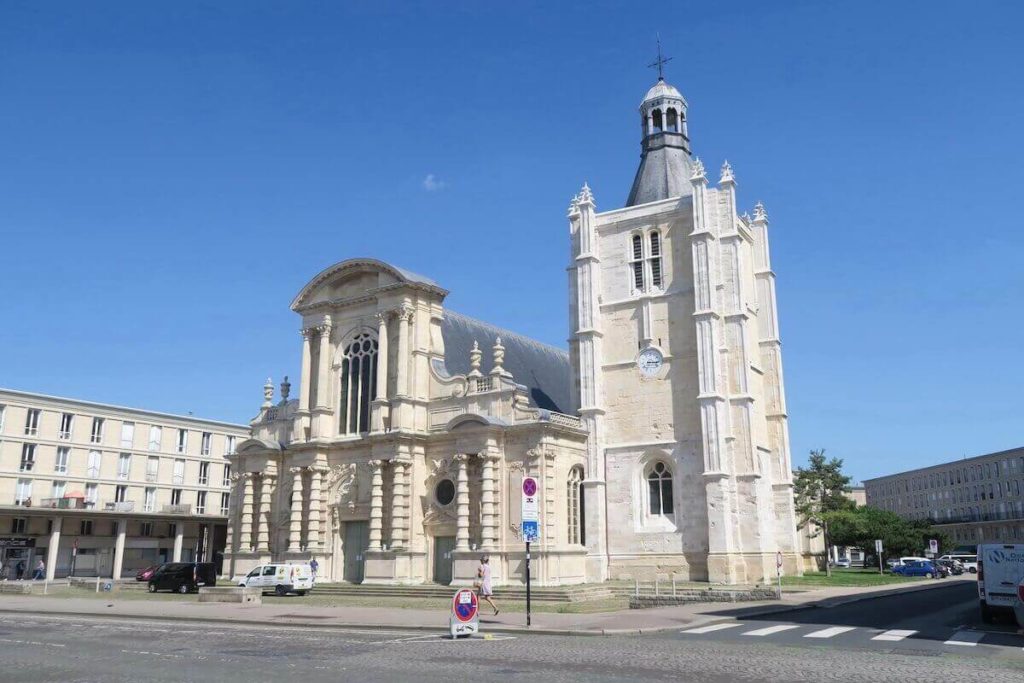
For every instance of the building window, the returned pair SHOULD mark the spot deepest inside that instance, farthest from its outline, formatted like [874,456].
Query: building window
[149,502]
[204,473]
[127,434]
[3,411]
[200,502]
[19,525]
[32,422]
[654,259]
[636,263]
[179,472]
[444,492]
[154,438]
[146,529]
[225,500]
[182,440]
[23,492]
[61,463]
[96,435]
[85,527]
[358,377]
[152,468]
[204,448]
[229,445]
[67,421]
[575,507]
[28,457]
[124,466]
[175,496]
[91,492]
[93,469]
[659,483]
[120,493]
[58,489]
[226,481]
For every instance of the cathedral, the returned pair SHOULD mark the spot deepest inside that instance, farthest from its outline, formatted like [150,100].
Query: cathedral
[659,439]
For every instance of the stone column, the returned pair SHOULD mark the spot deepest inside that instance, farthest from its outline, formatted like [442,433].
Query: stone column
[245,536]
[179,538]
[381,391]
[306,385]
[323,365]
[462,505]
[51,551]
[399,505]
[404,316]
[266,481]
[295,529]
[122,530]
[376,504]
[315,484]
[489,524]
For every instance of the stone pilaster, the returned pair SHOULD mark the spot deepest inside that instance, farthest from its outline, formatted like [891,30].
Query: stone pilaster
[321,419]
[295,522]
[301,430]
[313,535]
[380,401]
[462,504]
[245,543]
[376,504]
[399,504]
[488,505]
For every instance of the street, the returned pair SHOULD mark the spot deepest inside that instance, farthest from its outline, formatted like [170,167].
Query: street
[920,635]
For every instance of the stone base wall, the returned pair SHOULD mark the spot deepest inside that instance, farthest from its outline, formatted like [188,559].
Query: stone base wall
[690,596]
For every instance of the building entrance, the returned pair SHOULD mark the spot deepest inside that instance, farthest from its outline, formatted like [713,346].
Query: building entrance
[357,537]
[443,547]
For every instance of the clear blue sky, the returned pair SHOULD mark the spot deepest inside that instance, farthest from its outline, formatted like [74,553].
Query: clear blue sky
[172,173]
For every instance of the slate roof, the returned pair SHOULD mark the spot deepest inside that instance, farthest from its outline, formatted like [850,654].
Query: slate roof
[543,369]
[664,171]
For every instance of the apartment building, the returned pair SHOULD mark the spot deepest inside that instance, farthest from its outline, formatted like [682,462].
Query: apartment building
[975,500]
[102,490]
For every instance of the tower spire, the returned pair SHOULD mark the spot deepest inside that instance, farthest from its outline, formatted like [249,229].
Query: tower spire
[660,62]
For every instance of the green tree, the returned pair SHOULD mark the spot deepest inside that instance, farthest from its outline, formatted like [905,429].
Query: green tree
[819,489]
[860,527]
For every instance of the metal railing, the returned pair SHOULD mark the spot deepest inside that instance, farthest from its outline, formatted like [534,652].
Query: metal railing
[177,509]
[120,506]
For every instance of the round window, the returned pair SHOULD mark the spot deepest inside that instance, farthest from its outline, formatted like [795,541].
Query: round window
[445,491]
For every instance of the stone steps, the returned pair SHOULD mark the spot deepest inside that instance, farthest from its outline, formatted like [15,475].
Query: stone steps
[561,595]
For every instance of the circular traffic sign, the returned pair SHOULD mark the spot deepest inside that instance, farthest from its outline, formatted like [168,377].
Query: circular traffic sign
[529,486]
[464,605]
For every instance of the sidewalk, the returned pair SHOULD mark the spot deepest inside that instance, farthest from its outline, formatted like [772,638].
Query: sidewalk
[601,623]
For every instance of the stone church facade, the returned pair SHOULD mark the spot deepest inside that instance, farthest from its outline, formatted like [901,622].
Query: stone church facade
[659,441]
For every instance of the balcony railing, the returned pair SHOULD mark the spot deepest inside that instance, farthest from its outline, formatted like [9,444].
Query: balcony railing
[64,436]
[63,503]
[120,506]
[177,509]
[26,465]
[151,476]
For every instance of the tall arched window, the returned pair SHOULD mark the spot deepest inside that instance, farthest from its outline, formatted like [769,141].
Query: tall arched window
[656,120]
[655,259]
[637,263]
[574,498]
[659,482]
[358,380]
[671,121]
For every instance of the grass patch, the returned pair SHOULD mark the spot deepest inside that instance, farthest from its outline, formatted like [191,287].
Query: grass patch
[848,578]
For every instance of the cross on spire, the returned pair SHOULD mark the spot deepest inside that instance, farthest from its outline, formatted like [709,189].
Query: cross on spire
[660,62]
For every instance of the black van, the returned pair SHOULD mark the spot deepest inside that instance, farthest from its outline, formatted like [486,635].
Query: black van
[183,577]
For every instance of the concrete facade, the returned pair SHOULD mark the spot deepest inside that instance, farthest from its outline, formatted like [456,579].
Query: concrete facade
[975,500]
[106,490]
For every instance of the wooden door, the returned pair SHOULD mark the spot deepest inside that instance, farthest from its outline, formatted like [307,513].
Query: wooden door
[357,537]
[443,547]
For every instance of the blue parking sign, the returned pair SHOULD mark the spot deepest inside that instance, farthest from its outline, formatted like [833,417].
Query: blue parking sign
[531,531]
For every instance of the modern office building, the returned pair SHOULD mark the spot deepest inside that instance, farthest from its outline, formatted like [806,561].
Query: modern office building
[975,500]
[101,490]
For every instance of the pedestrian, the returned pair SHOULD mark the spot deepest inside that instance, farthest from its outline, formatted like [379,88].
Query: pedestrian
[313,567]
[483,582]
[40,573]
[19,570]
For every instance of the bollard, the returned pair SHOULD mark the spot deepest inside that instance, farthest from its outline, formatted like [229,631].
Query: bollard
[46,585]
[656,592]
[636,587]
[97,584]
[673,585]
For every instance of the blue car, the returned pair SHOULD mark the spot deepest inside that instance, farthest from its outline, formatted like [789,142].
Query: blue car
[917,569]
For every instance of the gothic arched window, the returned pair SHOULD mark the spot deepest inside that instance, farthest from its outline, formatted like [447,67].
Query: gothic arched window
[671,121]
[574,498]
[358,381]
[656,120]
[659,482]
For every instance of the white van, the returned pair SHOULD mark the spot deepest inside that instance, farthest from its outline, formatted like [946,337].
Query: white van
[970,562]
[280,578]
[1000,569]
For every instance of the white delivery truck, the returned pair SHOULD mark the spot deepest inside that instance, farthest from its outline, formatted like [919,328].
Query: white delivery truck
[1000,569]
[279,578]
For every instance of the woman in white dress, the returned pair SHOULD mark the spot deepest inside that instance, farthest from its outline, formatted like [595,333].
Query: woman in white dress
[483,573]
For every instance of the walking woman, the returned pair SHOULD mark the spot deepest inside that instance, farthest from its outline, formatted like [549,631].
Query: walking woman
[483,574]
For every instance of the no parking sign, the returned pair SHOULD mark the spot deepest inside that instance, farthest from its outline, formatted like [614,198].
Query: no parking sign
[463,620]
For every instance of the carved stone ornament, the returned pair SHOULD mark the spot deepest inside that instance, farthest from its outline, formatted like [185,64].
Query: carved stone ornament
[515,466]
[345,477]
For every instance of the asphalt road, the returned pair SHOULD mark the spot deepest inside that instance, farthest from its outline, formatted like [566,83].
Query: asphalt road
[72,649]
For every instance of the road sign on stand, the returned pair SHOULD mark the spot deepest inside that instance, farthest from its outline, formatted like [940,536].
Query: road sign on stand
[531,529]
[933,546]
[464,619]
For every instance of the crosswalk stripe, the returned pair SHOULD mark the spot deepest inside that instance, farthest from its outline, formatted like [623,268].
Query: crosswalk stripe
[966,638]
[829,632]
[894,634]
[712,627]
[767,631]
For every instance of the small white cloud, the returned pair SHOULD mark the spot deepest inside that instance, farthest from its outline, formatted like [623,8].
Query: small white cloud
[433,184]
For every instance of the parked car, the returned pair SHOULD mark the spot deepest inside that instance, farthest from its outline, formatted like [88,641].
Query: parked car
[183,577]
[917,568]
[147,573]
[843,562]
[279,578]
